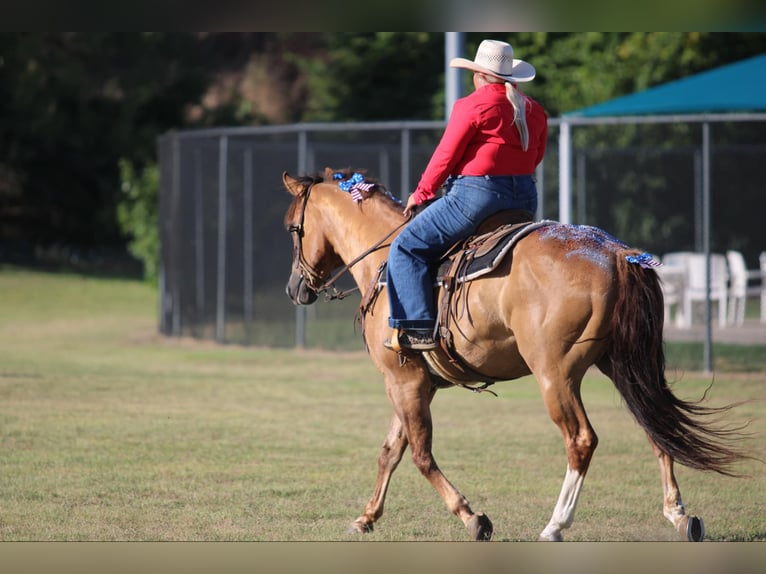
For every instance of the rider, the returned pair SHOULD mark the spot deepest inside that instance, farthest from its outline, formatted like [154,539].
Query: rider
[494,140]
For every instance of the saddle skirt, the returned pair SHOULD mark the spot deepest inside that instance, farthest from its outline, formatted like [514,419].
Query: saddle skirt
[466,261]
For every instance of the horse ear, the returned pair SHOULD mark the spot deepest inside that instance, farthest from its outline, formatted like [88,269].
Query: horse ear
[292,184]
[328,173]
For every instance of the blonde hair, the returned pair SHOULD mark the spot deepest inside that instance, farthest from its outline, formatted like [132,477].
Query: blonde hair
[519,103]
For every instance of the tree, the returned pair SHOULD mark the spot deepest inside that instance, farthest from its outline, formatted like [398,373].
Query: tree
[138,215]
[374,76]
[74,104]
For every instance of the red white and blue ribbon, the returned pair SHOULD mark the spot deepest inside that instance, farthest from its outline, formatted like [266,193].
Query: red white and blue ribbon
[645,260]
[354,185]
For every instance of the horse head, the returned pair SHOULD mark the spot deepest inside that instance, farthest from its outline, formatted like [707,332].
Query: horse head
[313,255]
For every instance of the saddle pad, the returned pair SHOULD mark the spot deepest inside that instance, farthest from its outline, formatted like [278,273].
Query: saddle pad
[488,250]
[484,253]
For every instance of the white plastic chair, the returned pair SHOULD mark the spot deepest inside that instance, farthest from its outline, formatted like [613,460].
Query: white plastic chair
[738,276]
[695,290]
[673,272]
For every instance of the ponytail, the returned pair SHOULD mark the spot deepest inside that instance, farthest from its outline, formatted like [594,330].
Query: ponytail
[519,101]
[519,104]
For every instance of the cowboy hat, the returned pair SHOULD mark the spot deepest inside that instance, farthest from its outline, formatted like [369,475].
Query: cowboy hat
[495,58]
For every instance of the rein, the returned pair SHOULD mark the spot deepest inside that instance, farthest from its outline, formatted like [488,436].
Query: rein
[314,277]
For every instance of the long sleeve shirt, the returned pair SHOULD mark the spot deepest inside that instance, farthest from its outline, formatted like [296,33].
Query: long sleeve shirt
[481,139]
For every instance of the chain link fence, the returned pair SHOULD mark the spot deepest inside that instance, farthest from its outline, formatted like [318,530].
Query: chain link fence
[225,256]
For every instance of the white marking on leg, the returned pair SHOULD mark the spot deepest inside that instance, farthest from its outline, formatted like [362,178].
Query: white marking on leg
[563,513]
[675,513]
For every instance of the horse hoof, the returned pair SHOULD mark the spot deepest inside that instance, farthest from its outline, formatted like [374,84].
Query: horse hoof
[358,527]
[480,527]
[695,529]
[551,537]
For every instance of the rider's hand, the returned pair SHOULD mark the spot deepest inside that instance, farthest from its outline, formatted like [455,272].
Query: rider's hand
[410,205]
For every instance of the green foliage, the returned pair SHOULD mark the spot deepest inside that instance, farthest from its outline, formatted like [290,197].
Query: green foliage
[74,104]
[138,214]
[374,76]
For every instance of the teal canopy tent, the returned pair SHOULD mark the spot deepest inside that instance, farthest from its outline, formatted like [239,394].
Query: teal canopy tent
[737,87]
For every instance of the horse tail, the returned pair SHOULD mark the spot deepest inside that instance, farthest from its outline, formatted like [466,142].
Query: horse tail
[636,362]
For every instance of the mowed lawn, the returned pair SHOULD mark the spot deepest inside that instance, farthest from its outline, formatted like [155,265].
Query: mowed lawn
[111,432]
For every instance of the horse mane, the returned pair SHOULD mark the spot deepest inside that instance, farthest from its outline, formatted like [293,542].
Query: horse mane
[377,194]
[335,176]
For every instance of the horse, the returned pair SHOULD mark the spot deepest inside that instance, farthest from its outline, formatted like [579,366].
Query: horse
[569,297]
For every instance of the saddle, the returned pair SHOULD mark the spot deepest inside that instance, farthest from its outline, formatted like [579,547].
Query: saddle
[467,260]
[483,252]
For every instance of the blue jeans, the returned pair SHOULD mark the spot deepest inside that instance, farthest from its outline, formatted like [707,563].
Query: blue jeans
[416,250]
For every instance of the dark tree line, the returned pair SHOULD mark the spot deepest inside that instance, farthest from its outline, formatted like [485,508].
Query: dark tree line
[80,111]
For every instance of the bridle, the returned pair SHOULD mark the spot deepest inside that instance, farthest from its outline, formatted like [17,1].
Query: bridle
[313,277]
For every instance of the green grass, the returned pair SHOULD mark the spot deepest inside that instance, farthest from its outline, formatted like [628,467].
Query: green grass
[109,431]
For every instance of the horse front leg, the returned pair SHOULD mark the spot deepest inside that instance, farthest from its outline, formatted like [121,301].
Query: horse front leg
[390,455]
[690,527]
[412,405]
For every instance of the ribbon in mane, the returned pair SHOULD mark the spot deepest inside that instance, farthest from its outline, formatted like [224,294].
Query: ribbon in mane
[355,185]
[644,260]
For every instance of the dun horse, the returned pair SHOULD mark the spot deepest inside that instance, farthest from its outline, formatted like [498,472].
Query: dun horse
[570,299]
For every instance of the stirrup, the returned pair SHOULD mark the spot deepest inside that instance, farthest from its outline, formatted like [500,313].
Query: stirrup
[393,342]
[407,339]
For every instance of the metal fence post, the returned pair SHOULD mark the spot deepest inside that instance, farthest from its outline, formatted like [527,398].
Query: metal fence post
[582,207]
[220,318]
[300,311]
[540,176]
[405,190]
[248,263]
[698,225]
[199,238]
[174,217]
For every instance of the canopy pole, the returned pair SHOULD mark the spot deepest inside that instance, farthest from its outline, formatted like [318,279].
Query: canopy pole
[453,48]
[565,173]
[708,353]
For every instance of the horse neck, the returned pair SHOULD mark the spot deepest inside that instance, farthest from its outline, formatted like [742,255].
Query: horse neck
[355,229]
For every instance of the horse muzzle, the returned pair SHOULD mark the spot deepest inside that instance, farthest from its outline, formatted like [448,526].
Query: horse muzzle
[298,290]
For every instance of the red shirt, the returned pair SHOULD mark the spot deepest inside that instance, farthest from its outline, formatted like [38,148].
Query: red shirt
[481,139]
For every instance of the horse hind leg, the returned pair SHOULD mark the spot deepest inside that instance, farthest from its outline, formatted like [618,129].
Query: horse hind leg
[565,408]
[690,527]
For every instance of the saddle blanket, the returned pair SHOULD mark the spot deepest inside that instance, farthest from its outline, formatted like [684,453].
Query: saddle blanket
[480,254]
[483,253]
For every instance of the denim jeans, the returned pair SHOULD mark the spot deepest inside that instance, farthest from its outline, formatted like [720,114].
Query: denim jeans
[416,250]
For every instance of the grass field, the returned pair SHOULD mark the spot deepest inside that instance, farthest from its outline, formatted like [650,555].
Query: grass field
[110,432]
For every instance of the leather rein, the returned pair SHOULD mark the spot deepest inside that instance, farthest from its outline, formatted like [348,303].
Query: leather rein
[314,277]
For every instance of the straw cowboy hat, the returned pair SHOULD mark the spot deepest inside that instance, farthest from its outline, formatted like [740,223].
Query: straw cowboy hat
[496,59]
